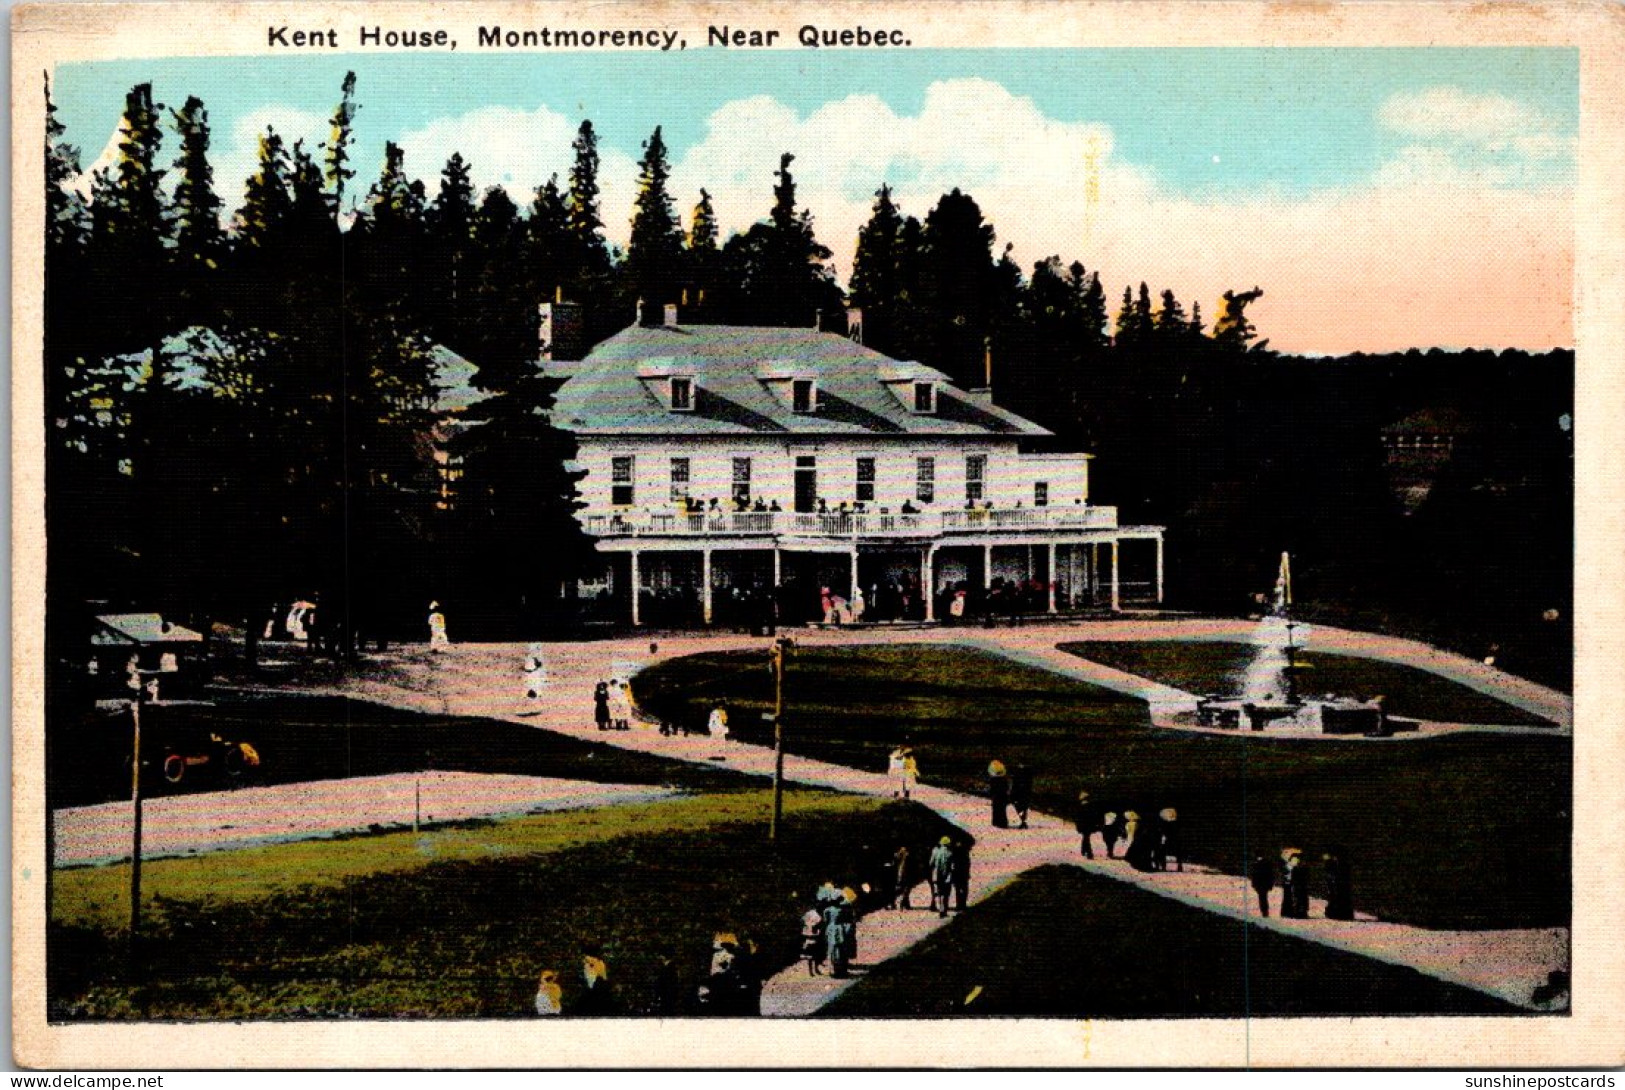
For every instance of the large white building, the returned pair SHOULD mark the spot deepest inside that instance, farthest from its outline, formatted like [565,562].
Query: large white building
[731,470]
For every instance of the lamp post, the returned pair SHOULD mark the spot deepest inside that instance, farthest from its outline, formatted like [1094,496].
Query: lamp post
[776,655]
[137,683]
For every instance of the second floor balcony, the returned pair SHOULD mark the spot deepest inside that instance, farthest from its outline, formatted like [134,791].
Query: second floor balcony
[868,525]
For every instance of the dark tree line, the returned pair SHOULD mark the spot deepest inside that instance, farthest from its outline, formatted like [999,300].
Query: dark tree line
[245,411]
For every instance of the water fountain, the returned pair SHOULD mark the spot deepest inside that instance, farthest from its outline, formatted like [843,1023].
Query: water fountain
[1269,694]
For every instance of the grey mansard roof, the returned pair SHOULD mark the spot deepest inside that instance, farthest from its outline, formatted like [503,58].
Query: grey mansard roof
[741,376]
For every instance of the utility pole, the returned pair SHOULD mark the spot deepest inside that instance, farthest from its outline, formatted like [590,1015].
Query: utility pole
[776,656]
[136,683]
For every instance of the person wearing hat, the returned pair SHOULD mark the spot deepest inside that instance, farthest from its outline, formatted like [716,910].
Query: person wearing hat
[901,879]
[1294,885]
[1141,837]
[940,870]
[812,941]
[998,791]
[549,996]
[1168,845]
[600,704]
[535,676]
[1261,875]
[1339,885]
[1088,824]
[1111,831]
[840,937]
[596,998]
[438,640]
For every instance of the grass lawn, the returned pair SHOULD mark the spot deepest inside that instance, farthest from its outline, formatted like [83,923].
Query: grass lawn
[459,922]
[1091,947]
[323,738]
[1463,831]
[1212,666]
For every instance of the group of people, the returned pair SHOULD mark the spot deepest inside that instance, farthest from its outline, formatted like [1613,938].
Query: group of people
[612,705]
[595,996]
[903,771]
[1150,842]
[885,880]
[1009,789]
[732,986]
[1294,881]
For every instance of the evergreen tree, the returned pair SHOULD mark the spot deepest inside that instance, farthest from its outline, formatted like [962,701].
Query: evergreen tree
[1195,328]
[653,270]
[877,285]
[704,259]
[339,142]
[1092,320]
[586,227]
[66,216]
[198,236]
[549,262]
[1169,322]
[267,202]
[135,218]
[777,268]
[451,230]
[958,281]
[1232,331]
[1143,325]
[1126,330]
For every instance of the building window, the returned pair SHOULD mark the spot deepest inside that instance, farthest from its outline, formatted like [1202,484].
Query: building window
[975,477]
[866,480]
[679,480]
[925,480]
[682,395]
[925,397]
[621,493]
[1040,493]
[804,395]
[741,493]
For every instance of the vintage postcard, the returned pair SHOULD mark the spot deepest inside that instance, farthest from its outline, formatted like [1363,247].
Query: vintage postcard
[1072,534]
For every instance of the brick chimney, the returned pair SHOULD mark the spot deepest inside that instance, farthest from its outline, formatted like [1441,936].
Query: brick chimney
[562,333]
[983,394]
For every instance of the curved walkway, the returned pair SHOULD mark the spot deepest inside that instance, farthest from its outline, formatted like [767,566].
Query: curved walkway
[486,680]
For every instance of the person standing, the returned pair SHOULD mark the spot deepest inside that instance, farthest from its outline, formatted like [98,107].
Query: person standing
[894,771]
[1111,831]
[717,725]
[1088,824]
[600,705]
[961,876]
[911,771]
[549,996]
[438,640]
[812,941]
[620,703]
[1261,875]
[1339,885]
[1168,845]
[596,998]
[901,879]
[998,791]
[940,871]
[1141,841]
[1294,886]
[1021,792]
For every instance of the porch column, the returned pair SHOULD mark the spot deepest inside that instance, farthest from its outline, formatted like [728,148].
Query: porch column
[852,591]
[775,567]
[1051,580]
[987,566]
[928,582]
[1117,598]
[1094,572]
[1159,569]
[705,583]
[636,590]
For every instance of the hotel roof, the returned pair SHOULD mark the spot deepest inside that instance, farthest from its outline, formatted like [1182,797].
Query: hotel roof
[742,377]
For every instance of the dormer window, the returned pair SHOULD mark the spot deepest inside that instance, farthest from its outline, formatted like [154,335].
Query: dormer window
[804,395]
[682,394]
[925,397]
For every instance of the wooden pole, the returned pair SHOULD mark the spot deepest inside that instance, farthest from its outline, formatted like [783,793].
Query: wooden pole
[135,824]
[777,654]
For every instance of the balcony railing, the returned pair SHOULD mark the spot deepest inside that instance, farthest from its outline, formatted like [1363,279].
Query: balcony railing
[866,524]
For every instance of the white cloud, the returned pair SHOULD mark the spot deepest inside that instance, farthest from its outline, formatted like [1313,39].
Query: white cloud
[1492,121]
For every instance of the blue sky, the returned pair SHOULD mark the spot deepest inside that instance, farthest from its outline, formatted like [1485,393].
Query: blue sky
[1297,119]
[1338,179]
